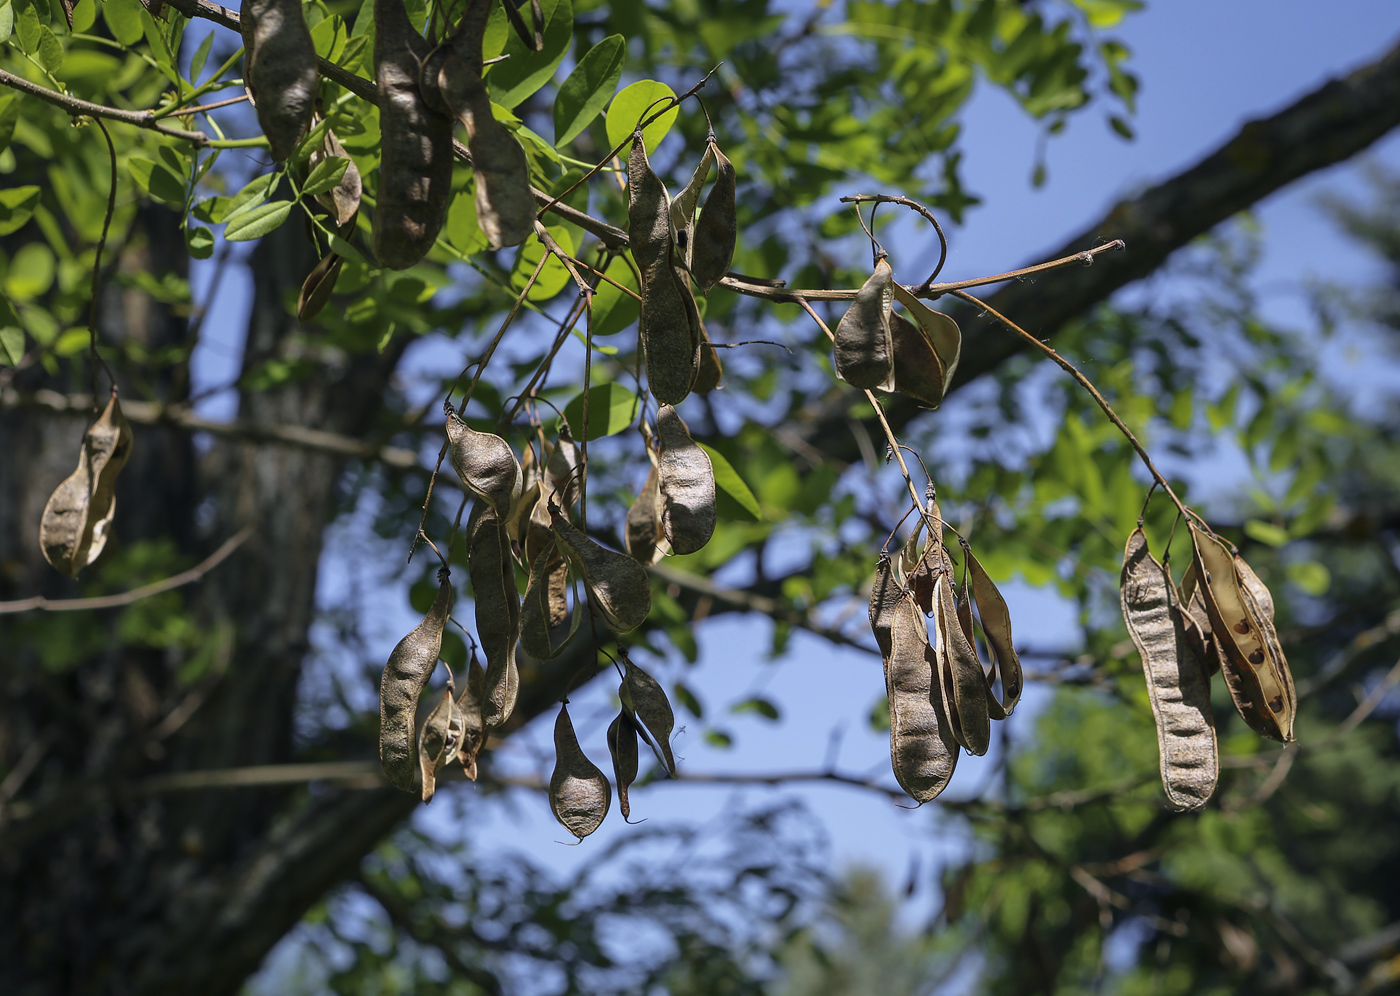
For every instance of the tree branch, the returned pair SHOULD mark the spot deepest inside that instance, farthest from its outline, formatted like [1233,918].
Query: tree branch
[79,108]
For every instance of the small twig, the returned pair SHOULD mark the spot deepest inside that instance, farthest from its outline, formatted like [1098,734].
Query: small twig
[97,359]
[914,205]
[85,108]
[930,289]
[41,604]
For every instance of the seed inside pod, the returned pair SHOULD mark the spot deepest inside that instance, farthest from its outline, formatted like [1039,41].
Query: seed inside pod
[684,205]
[78,516]
[686,479]
[405,676]
[579,794]
[996,627]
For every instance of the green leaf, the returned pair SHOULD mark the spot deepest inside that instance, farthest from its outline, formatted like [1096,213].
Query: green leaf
[1312,577]
[84,14]
[718,738]
[757,704]
[123,17]
[11,345]
[201,55]
[50,52]
[614,310]
[327,174]
[611,408]
[200,242]
[9,116]
[72,342]
[462,229]
[1266,532]
[31,272]
[249,197]
[27,27]
[631,105]
[344,249]
[158,180]
[525,71]
[554,277]
[729,481]
[588,89]
[328,37]
[7,21]
[258,222]
[687,698]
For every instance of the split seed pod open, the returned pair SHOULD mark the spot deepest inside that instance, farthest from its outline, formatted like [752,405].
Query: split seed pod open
[622,745]
[923,751]
[279,70]
[1176,680]
[617,585]
[316,290]
[686,479]
[645,700]
[1256,671]
[405,676]
[643,531]
[78,516]
[469,704]
[415,171]
[497,612]
[964,684]
[717,231]
[937,352]
[864,342]
[438,742]
[579,794]
[996,627]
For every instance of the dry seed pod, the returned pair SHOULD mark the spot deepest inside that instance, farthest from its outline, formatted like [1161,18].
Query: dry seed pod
[279,70]
[622,745]
[415,172]
[885,594]
[918,372]
[1256,671]
[996,627]
[961,671]
[469,703]
[579,793]
[684,204]
[558,483]
[669,329]
[486,464]
[923,751]
[536,617]
[648,211]
[643,530]
[687,483]
[342,200]
[1176,681]
[617,585]
[438,742]
[405,675]
[318,287]
[78,516]
[497,612]
[864,344]
[644,698]
[932,561]
[941,331]
[710,376]
[716,233]
[1197,619]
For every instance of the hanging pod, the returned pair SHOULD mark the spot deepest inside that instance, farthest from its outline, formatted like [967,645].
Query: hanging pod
[405,676]
[536,614]
[342,200]
[885,593]
[963,684]
[649,231]
[579,794]
[415,145]
[486,464]
[279,70]
[438,741]
[643,530]
[926,362]
[645,701]
[78,517]
[684,204]
[686,479]
[996,627]
[923,752]
[710,375]
[669,328]
[1197,619]
[622,745]
[617,585]
[497,612]
[316,290]
[1176,680]
[473,728]
[717,231]
[864,343]
[558,482]
[1256,671]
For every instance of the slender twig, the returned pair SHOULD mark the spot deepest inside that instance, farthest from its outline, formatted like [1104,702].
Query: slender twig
[1086,258]
[39,603]
[928,215]
[97,359]
[500,334]
[180,112]
[85,108]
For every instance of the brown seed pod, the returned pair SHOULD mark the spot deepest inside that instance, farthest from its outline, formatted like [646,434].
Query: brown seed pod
[279,70]
[405,676]
[536,615]
[579,793]
[923,751]
[643,531]
[918,372]
[648,211]
[1197,620]
[710,376]
[342,200]
[683,207]
[318,287]
[941,332]
[996,627]
[645,700]
[438,742]
[558,482]
[717,231]
[622,745]
[617,585]
[1176,680]
[1256,671]
[486,464]
[497,612]
[864,343]
[965,686]
[669,329]
[415,172]
[885,593]
[687,483]
[78,516]
[469,703]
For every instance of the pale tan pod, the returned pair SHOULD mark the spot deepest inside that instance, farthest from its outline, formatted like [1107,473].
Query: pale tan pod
[1197,619]
[497,612]
[622,745]
[415,171]
[536,615]
[78,516]
[941,331]
[1256,672]
[1176,680]
[962,671]
[316,290]
[486,464]
[686,479]
[643,530]
[579,794]
[923,752]
[644,698]
[342,200]
[469,705]
[717,231]
[996,627]
[279,70]
[436,743]
[617,585]
[405,676]
[885,594]
[864,346]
